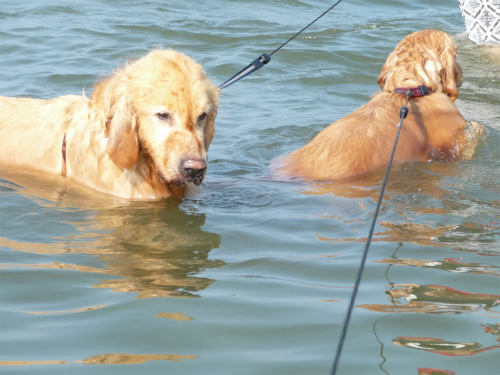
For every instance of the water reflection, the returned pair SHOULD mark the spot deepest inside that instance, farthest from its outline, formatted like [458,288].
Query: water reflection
[450,348]
[434,299]
[464,235]
[175,316]
[160,253]
[73,311]
[132,359]
[448,264]
[31,363]
[157,249]
[434,371]
[422,234]
[109,359]
[401,181]
[153,249]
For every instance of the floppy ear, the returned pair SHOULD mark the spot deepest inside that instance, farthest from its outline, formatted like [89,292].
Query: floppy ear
[123,141]
[110,107]
[388,71]
[452,72]
[453,77]
[382,78]
[209,129]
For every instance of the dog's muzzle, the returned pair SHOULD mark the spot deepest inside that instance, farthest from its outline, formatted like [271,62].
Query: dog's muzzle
[194,170]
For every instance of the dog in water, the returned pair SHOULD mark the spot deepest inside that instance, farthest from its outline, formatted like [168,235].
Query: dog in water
[143,133]
[424,63]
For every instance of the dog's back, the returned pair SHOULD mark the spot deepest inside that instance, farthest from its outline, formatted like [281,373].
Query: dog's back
[32,130]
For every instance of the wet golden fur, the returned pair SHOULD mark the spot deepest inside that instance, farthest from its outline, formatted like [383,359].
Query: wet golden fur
[136,136]
[363,140]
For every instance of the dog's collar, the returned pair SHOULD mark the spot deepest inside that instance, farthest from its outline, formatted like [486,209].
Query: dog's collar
[413,91]
[63,150]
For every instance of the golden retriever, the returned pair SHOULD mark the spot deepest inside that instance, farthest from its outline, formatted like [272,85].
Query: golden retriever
[144,132]
[363,140]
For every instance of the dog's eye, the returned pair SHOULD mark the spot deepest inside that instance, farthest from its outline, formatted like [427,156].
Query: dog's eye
[202,117]
[163,116]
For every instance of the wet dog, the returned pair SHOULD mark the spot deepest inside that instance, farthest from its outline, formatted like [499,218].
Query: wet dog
[143,133]
[363,140]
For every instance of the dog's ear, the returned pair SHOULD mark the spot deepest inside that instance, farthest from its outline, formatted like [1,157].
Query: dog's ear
[452,79]
[109,106]
[209,129]
[123,141]
[452,74]
[382,78]
[387,77]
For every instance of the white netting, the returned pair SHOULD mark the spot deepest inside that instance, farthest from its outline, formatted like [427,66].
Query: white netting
[482,20]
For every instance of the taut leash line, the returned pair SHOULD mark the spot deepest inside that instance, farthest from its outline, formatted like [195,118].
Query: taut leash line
[265,58]
[402,114]
[306,27]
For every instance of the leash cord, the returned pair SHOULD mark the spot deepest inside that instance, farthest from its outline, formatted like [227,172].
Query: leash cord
[301,31]
[265,57]
[402,114]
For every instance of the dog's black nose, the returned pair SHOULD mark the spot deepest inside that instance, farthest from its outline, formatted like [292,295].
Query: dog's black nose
[194,167]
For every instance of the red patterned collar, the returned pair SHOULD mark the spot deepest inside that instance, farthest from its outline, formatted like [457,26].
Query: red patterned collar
[413,91]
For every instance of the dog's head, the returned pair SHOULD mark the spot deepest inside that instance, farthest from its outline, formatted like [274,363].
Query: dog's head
[426,57]
[163,107]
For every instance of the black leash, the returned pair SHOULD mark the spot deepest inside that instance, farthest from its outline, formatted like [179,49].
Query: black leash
[402,114]
[265,58]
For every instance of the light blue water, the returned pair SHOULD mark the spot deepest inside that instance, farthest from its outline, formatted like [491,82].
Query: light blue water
[254,277]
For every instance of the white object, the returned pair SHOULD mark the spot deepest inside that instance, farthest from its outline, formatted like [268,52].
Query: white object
[482,20]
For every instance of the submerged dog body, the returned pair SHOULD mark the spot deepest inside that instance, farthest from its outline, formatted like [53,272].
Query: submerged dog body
[363,140]
[144,132]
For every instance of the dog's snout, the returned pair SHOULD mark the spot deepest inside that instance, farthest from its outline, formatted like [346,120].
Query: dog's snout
[194,167]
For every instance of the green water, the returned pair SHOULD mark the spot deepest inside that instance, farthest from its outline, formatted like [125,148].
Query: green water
[255,275]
